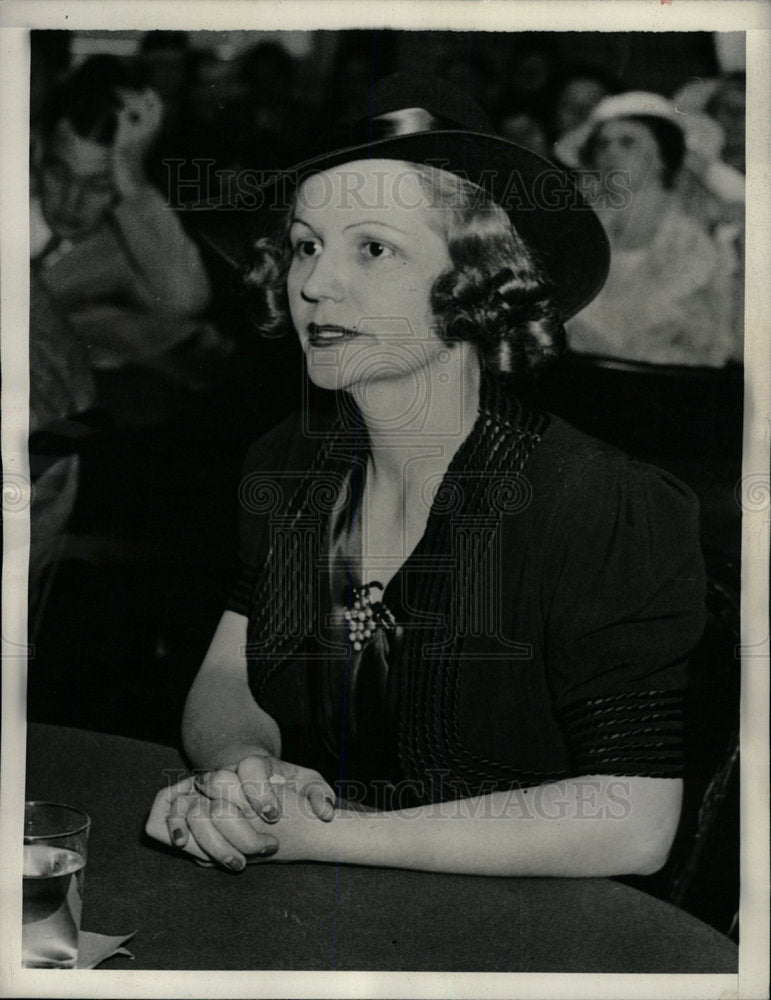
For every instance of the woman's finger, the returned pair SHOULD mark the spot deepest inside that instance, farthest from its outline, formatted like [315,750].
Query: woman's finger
[176,821]
[321,800]
[312,787]
[181,808]
[238,831]
[256,775]
[176,824]
[156,825]
[209,839]
[225,785]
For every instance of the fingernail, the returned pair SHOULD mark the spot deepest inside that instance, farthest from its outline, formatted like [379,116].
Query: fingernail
[330,802]
[270,813]
[268,850]
[235,864]
[177,834]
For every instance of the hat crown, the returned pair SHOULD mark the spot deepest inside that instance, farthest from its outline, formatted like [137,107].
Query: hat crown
[423,120]
[447,106]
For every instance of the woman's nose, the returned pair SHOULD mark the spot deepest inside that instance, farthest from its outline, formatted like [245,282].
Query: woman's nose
[324,280]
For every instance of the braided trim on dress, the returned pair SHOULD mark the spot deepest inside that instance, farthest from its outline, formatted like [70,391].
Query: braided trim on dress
[500,445]
[269,634]
[634,733]
[282,585]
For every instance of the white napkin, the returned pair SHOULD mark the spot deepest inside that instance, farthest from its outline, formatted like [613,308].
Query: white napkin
[96,948]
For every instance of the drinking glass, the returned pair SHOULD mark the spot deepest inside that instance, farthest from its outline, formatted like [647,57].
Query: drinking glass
[55,840]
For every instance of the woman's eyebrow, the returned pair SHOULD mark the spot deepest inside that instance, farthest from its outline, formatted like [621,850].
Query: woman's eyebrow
[376,222]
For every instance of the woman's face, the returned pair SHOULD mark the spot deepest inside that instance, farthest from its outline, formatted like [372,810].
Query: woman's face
[629,147]
[365,256]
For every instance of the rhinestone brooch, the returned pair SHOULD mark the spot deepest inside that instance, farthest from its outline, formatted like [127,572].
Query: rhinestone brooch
[366,615]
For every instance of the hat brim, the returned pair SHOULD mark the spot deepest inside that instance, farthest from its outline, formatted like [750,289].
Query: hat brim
[542,201]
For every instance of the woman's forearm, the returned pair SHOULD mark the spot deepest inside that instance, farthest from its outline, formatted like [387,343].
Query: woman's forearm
[589,826]
[221,726]
[222,723]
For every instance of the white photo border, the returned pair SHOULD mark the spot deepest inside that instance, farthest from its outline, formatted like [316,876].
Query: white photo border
[750,16]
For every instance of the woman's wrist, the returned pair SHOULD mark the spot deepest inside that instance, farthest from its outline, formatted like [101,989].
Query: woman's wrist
[311,839]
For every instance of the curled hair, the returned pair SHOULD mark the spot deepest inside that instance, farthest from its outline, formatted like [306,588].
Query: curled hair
[495,295]
[265,284]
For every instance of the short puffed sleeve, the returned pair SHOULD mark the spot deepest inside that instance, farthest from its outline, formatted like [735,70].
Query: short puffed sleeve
[624,589]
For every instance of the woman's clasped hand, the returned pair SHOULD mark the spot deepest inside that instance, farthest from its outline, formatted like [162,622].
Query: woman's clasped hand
[259,808]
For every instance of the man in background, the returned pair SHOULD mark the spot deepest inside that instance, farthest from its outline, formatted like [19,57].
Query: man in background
[105,245]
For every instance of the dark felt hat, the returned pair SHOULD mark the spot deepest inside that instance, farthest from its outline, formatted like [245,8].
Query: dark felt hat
[432,122]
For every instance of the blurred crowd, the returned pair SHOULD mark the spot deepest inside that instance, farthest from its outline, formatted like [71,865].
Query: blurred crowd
[128,322]
[116,144]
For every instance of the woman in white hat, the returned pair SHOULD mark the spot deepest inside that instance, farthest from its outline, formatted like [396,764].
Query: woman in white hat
[461,626]
[673,294]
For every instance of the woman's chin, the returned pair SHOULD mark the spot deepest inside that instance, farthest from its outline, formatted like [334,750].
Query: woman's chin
[326,377]
[373,382]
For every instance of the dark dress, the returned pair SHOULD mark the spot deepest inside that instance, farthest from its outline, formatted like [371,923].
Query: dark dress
[543,621]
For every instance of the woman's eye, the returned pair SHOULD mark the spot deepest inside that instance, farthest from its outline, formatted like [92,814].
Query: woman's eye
[306,248]
[374,250]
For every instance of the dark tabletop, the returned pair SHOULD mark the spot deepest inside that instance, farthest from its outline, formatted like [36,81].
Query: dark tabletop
[326,917]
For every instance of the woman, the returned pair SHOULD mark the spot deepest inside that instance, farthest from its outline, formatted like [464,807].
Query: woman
[452,609]
[672,294]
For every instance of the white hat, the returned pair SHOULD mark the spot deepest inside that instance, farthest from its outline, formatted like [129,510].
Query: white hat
[627,105]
